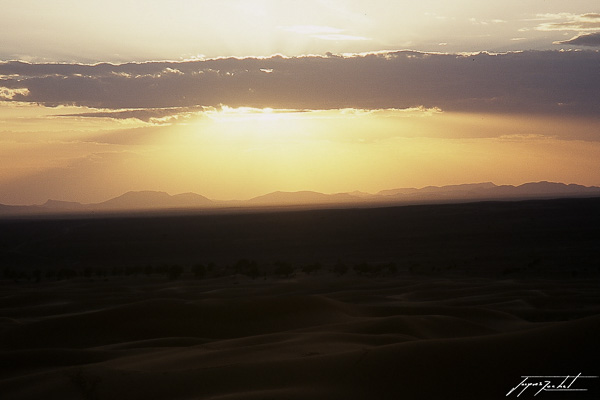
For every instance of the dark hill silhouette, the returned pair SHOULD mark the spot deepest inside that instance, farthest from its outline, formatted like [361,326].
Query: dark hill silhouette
[63,205]
[553,188]
[155,200]
[470,189]
[302,197]
[490,191]
[362,195]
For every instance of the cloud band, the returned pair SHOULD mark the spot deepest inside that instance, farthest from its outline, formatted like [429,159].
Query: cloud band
[532,81]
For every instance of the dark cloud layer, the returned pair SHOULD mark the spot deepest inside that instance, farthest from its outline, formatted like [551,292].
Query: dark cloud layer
[591,39]
[540,82]
[144,114]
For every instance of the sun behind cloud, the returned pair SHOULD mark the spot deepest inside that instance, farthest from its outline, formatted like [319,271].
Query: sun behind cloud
[234,99]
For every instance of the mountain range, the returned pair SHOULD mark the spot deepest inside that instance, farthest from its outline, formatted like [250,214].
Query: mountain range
[155,200]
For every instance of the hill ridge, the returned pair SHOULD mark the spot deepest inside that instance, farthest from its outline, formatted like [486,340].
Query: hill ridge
[160,200]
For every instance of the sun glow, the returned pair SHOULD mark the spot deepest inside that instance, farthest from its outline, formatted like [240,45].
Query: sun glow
[231,114]
[238,153]
[259,126]
[95,100]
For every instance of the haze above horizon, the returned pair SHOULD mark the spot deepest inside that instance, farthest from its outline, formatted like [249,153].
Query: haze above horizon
[263,96]
[156,201]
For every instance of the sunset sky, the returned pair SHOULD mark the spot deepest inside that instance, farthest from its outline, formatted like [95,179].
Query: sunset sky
[235,99]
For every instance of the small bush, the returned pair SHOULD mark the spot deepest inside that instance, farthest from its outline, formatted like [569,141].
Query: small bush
[283,269]
[175,271]
[247,267]
[199,271]
[309,269]
[148,270]
[340,268]
[66,273]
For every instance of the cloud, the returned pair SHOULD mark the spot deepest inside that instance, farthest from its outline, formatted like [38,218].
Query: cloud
[523,82]
[570,22]
[152,115]
[475,21]
[9,93]
[590,39]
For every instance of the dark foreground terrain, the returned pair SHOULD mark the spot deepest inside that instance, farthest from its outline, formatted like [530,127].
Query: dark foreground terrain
[422,302]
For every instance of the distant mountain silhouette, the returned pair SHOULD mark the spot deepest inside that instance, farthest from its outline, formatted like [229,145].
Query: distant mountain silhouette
[490,191]
[63,205]
[302,197]
[153,200]
[17,210]
[454,190]
[362,195]
[552,188]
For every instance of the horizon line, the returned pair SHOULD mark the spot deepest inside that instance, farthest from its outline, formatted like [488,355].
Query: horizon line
[292,192]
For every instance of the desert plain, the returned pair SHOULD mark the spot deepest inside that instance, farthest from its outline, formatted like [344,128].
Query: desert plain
[485,300]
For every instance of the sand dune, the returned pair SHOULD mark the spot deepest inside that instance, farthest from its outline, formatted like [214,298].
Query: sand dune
[435,302]
[323,337]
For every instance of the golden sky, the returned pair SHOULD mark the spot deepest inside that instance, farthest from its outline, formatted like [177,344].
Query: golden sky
[235,99]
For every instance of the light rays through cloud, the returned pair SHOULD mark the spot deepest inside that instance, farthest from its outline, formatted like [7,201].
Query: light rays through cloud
[238,98]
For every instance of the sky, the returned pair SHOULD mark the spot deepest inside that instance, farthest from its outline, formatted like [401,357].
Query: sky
[235,99]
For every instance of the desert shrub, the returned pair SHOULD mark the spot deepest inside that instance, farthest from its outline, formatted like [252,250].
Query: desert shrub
[310,268]
[9,273]
[148,270]
[102,272]
[340,268]
[135,270]
[247,267]
[391,267]
[415,268]
[88,272]
[162,269]
[374,269]
[199,271]
[16,274]
[175,271]
[283,269]
[66,273]
[365,268]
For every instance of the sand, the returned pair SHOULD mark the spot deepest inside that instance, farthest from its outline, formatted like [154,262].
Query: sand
[307,337]
[479,296]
